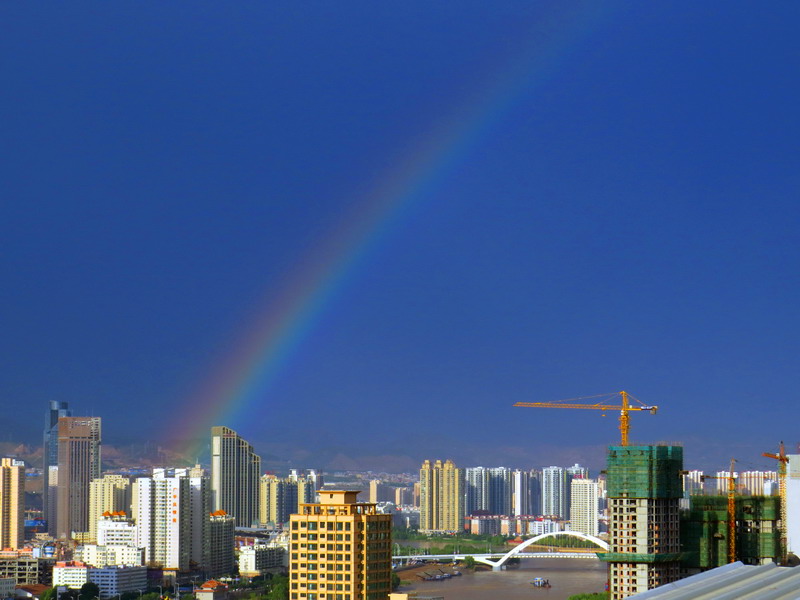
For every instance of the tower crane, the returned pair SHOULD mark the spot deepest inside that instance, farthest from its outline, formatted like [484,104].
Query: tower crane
[731,509]
[782,460]
[604,405]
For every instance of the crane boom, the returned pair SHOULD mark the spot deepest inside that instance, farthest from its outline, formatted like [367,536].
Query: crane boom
[624,409]
[590,406]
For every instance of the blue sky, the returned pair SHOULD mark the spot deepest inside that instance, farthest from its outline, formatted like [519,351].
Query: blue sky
[624,217]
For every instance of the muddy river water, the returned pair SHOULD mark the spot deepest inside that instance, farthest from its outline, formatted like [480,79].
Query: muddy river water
[567,576]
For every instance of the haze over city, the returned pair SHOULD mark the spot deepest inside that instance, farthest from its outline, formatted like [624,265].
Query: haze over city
[358,233]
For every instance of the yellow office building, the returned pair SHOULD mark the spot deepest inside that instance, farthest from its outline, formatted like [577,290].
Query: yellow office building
[341,550]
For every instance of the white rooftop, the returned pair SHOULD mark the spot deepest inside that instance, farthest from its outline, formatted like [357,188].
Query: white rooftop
[735,581]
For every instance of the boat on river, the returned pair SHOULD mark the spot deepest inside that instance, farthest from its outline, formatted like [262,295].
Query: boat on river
[540,582]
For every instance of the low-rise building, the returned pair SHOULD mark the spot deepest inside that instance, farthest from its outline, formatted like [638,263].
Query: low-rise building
[33,591]
[484,525]
[7,587]
[212,590]
[116,529]
[540,526]
[258,559]
[111,580]
[72,574]
[22,566]
[110,555]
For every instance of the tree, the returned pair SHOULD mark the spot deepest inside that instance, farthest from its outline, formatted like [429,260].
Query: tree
[279,589]
[48,594]
[395,581]
[469,562]
[89,591]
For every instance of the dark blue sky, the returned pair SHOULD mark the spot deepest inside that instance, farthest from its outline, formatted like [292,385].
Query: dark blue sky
[628,220]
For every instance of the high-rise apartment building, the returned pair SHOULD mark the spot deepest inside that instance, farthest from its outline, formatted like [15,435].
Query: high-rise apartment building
[644,491]
[235,472]
[488,490]
[535,483]
[501,487]
[12,503]
[78,465]
[316,477]
[173,518]
[521,493]
[692,483]
[526,492]
[221,557]
[340,549]
[199,522]
[307,485]
[164,520]
[402,496]
[441,497]
[584,500]
[108,494]
[55,411]
[753,482]
[554,492]
[50,491]
[577,471]
[380,492]
[278,499]
[476,495]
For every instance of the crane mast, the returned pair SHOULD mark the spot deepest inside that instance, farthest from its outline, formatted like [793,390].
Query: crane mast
[731,477]
[782,460]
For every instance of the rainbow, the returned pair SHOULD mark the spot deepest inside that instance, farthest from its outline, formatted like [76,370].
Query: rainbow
[287,318]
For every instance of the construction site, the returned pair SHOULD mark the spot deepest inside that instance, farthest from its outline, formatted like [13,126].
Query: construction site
[704,531]
[660,535]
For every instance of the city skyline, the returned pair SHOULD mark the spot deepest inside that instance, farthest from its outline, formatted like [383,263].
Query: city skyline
[246,215]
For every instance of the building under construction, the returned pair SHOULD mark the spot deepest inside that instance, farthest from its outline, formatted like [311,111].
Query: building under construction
[644,491]
[704,532]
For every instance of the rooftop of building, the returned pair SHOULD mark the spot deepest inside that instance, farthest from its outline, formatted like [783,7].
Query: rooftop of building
[734,580]
[213,584]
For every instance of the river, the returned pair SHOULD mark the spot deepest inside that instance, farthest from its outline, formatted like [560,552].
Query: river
[567,576]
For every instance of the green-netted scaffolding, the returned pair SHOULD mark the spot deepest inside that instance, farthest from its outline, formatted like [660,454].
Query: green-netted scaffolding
[644,471]
[704,530]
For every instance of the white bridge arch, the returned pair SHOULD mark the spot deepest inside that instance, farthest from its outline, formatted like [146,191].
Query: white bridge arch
[497,564]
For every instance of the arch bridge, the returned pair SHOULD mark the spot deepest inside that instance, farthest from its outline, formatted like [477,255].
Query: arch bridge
[497,563]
